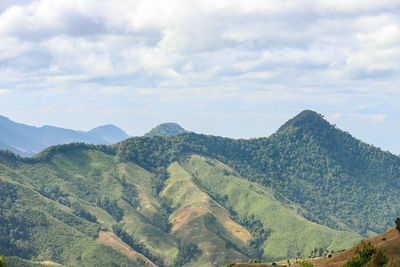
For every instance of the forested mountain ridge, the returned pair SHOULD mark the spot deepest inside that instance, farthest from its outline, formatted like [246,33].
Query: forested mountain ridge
[198,200]
[347,175]
[312,163]
[28,140]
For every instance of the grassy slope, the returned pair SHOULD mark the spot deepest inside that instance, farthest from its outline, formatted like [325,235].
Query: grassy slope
[137,221]
[291,233]
[101,173]
[191,220]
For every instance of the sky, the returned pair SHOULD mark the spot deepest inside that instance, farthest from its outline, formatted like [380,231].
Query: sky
[231,68]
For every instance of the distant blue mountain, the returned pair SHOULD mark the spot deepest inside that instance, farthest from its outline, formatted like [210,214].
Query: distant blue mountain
[28,140]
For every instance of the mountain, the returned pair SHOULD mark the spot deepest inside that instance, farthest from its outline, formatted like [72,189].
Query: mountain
[109,133]
[166,129]
[321,163]
[197,200]
[28,140]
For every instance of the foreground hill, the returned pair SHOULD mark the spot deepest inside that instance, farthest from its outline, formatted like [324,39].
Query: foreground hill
[28,140]
[196,200]
[389,241]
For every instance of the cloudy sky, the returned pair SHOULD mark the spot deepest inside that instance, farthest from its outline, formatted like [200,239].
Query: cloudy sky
[225,67]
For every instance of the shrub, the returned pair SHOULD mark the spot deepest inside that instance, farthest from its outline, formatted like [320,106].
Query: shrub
[2,264]
[367,255]
[306,264]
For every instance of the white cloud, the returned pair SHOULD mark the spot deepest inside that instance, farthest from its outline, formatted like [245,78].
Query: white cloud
[11,47]
[376,118]
[351,6]
[254,49]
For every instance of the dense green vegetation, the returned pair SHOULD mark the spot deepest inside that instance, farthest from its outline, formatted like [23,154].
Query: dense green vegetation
[259,236]
[198,200]
[187,252]
[160,218]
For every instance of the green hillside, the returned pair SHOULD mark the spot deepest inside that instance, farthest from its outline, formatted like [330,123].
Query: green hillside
[78,190]
[36,228]
[196,200]
[250,200]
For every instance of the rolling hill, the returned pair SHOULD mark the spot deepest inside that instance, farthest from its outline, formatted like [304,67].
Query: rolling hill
[28,140]
[197,200]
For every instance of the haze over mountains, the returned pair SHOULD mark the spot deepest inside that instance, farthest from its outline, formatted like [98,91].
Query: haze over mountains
[197,200]
[28,140]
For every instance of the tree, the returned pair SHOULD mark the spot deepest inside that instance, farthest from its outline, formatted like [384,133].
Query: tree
[256,249]
[320,251]
[298,255]
[187,252]
[314,252]
[398,224]
[2,264]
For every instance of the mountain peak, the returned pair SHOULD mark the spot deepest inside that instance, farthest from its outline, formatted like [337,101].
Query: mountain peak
[3,118]
[110,133]
[107,127]
[306,119]
[165,129]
